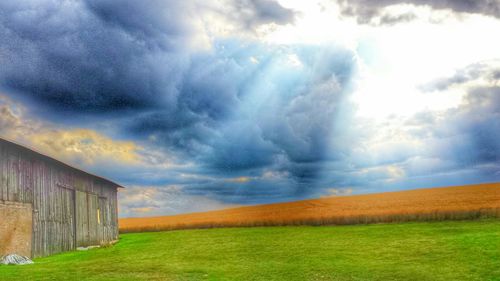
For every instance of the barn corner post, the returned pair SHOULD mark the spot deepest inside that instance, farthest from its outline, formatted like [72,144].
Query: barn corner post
[48,206]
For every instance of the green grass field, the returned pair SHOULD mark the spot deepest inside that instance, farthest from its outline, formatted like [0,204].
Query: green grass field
[464,250]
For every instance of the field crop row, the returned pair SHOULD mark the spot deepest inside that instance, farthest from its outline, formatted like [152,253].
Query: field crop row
[435,204]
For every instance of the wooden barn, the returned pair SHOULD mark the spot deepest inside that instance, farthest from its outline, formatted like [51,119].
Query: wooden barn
[48,207]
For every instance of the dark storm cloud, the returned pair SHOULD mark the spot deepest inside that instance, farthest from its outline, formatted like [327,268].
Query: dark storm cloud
[255,191]
[239,108]
[208,95]
[286,113]
[366,10]
[156,24]
[108,56]
[290,118]
[76,59]
[241,115]
[241,147]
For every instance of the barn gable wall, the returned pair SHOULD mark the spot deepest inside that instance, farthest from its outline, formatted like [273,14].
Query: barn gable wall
[51,187]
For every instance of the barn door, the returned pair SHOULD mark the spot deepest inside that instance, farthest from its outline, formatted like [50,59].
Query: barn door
[86,219]
[102,219]
[66,220]
[82,219]
[93,226]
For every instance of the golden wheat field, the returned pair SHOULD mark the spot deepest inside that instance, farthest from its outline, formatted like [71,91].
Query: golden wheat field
[445,203]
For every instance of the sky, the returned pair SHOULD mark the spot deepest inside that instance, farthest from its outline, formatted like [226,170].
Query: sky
[208,104]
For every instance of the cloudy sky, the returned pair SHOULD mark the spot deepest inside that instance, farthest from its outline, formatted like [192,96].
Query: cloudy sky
[206,104]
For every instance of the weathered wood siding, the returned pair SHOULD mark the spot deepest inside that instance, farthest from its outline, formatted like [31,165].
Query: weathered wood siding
[65,201]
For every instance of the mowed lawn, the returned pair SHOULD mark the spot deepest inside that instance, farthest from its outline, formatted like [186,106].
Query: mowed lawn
[459,250]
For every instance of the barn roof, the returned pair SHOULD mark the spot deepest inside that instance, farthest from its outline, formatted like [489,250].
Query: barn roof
[32,150]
